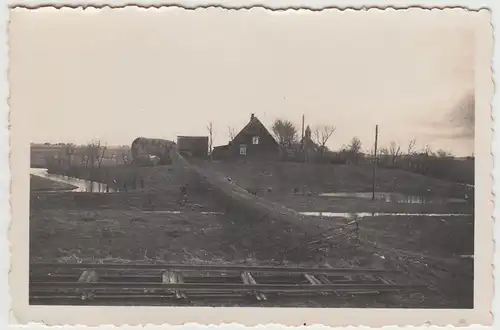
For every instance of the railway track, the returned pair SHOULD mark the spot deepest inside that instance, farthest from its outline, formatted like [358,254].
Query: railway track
[157,284]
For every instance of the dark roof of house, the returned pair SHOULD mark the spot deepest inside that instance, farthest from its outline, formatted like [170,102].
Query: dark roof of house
[254,126]
[223,147]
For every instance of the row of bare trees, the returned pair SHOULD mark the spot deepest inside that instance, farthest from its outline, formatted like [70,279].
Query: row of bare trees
[395,152]
[91,154]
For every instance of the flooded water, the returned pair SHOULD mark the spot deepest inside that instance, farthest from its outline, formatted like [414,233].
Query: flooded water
[358,215]
[396,198]
[80,184]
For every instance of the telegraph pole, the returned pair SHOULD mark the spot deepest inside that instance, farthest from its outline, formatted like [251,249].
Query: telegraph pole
[302,141]
[375,163]
[303,119]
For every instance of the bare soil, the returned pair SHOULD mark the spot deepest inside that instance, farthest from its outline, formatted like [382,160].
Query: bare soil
[125,234]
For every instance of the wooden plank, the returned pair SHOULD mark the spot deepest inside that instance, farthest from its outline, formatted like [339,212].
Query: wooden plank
[314,281]
[180,279]
[88,276]
[363,279]
[384,280]
[248,279]
[171,277]
[325,280]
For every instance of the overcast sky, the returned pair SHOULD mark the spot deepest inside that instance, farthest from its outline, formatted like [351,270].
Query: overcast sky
[118,74]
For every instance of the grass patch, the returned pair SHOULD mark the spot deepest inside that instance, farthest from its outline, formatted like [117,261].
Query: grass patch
[42,184]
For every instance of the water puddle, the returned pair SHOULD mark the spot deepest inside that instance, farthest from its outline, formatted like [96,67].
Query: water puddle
[80,184]
[358,215]
[396,198]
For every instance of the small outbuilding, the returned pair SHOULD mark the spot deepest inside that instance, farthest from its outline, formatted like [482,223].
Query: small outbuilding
[194,146]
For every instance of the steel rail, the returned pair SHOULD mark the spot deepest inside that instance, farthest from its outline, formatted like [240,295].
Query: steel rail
[215,268]
[220,286]
[137,278]
[187,279]
[165,299]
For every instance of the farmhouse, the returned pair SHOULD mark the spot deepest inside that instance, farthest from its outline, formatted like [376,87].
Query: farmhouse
[253,141]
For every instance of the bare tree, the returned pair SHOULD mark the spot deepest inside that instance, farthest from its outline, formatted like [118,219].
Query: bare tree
[210,138]
[394,151]
[355,148]
[411,147]
[383,155]
[94,153]
[427,150]
[101,156]
[231,133]
[285,132]
[69,150]
[321,135]
[126,157]
[114,156]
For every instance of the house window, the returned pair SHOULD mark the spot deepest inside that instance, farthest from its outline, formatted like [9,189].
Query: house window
[243,149]
[255,140]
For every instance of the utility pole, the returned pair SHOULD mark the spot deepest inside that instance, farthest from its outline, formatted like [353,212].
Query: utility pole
[303,119]
[302,141]
[375,163]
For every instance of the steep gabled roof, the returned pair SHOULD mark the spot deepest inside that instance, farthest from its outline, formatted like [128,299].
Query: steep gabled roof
[254,126]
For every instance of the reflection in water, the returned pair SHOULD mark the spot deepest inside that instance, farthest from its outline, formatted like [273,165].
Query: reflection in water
[80,184]
[380,214]
[396,198]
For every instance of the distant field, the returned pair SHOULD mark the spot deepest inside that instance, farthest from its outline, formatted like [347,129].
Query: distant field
[286,177]
[39,153]
[453,170]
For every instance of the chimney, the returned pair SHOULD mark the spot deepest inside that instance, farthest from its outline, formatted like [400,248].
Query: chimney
[252,116]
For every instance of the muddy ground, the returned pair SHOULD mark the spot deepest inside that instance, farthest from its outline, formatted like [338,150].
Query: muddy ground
[131,226]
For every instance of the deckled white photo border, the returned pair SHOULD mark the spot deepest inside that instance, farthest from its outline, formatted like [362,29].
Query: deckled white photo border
[253,316]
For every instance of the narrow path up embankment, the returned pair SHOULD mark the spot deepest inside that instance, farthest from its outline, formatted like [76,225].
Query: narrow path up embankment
[265,228]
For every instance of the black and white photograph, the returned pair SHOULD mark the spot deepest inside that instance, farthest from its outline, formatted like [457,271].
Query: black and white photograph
[226,158]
